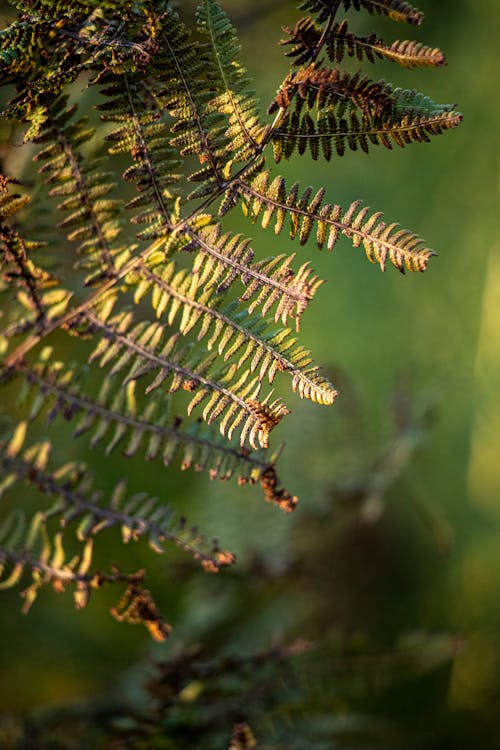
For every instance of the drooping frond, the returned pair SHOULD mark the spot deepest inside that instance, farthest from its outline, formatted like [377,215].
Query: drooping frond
[340,41]
[398,10]
[115,419]
[41,553]
[76,501]
[355,112]
[149,349]
[177,296]
[307,212]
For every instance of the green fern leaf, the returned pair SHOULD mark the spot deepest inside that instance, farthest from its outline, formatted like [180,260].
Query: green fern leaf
[234,97]
[133,103]
[270,282]
[92,216]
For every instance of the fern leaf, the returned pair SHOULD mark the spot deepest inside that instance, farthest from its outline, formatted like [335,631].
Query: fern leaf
[334,133]
[230,330]
[133,103]
[39,296]
[40,64]
[331,88]
[398,10]
[114,417]
[147,349]
[381,241]
[197,130]
[355,111]
[340,41]
[223,257]
[234,98]
[76,501]
[45,558]
[92,215]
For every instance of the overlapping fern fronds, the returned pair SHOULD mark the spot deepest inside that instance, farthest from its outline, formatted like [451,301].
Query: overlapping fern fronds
[176,321]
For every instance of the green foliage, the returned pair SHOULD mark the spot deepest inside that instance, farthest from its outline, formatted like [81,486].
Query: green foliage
[176,326]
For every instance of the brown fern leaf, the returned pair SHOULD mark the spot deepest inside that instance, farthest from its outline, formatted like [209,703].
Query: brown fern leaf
[306,35]
[327,87]
[398,10]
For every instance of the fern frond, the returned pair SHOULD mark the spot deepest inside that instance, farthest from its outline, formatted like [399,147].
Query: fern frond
[398,10]
[234,97]
[381,241]
[15,267]
[331,88]
[92,218]
[340,41]
[115,418]
[76,501]
[185,144]
[22,48]
[198,129]
[353,111]
[40,64]
[133,103]
[38,293]
[56,8]
[149,349]
[43,556]
[229,329]
[222,257]
[333,133]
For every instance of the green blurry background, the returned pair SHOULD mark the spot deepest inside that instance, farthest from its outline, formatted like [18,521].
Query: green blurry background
[425,558]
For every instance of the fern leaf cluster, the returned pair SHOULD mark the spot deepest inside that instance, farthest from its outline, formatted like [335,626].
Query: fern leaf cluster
[180,328]
[351,110]
[398,10]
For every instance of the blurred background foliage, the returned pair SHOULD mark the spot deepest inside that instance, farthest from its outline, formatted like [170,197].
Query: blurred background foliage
[391,563]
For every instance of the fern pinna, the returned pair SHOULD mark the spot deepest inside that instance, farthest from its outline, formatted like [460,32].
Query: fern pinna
[179,329]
